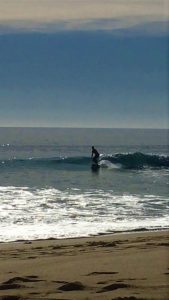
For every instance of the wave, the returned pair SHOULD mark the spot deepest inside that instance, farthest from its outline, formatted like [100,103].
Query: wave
[139,160]
[135,160]
[39,213]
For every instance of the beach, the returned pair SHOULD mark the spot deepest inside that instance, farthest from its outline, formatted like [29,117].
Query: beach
[116,266]
[84,156]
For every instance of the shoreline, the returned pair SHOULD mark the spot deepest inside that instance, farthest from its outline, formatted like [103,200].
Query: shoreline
[133,231]
[129,266]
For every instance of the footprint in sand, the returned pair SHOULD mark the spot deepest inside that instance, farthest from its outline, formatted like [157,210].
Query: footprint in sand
[113,287]
[14,283]
[22,279]
[128,298]
[11,298]
[102,273]
[72,286]
[11,286]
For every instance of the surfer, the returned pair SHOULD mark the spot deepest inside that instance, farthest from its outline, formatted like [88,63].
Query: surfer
[95,155]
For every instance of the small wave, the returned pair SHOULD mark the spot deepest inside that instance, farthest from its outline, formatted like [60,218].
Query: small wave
[135,160]
[4,145]
[139,160]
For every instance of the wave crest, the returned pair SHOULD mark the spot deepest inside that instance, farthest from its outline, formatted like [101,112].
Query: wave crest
[135,160]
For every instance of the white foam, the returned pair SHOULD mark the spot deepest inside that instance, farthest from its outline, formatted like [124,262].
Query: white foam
[109,165]
[44,213]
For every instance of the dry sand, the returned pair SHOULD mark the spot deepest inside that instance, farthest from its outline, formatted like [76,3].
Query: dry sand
[124,266]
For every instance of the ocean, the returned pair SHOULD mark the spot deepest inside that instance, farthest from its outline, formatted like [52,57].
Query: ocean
[48,189]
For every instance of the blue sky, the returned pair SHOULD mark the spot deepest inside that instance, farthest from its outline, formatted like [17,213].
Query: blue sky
[79,75]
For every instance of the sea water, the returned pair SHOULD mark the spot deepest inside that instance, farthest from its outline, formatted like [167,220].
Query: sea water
[48,190]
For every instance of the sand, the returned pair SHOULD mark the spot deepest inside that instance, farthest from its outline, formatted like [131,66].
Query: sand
[121,266]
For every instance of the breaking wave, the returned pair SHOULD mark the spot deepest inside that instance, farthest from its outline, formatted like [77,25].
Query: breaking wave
[135,160]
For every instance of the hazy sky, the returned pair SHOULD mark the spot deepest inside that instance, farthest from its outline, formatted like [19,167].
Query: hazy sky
[81,63]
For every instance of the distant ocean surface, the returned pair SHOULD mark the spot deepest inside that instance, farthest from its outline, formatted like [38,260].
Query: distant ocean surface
[48,190]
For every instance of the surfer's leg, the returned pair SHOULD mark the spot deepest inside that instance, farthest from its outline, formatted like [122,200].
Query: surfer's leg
[95,160]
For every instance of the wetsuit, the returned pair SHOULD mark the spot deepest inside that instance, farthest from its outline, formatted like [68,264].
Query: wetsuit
[96,155]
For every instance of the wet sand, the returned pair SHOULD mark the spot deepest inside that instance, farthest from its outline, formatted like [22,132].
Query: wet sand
[131,266]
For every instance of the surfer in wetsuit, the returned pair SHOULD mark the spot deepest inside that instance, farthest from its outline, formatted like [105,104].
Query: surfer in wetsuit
[95,155]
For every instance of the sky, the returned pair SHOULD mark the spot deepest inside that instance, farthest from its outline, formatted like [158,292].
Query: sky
[81,63]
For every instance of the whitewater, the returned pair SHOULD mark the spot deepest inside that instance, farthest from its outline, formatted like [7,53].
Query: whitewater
[48,190]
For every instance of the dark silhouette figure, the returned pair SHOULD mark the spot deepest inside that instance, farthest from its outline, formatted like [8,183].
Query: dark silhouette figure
[95,155]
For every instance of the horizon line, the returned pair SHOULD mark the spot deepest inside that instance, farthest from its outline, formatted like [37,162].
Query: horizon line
[73,127]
